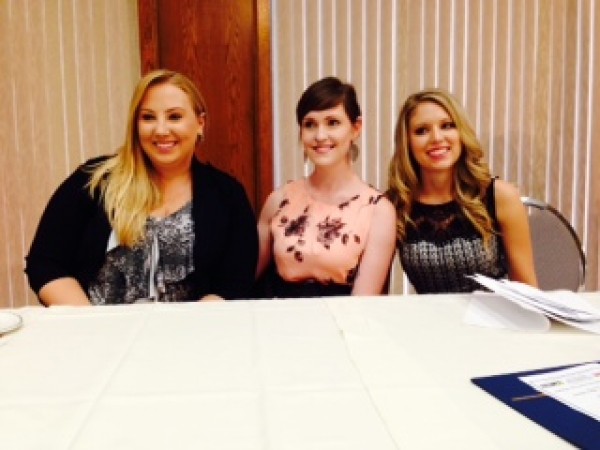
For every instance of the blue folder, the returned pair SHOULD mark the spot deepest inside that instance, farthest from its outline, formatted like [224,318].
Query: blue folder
[573,426]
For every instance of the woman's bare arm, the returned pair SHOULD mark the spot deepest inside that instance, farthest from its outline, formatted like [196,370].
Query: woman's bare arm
[63,291]
[514,225]
[379,251]
[265,240]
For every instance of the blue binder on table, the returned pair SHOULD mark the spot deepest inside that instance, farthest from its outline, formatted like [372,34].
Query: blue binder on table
[573,426]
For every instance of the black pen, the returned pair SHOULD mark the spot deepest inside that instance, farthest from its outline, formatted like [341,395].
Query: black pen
[529,397]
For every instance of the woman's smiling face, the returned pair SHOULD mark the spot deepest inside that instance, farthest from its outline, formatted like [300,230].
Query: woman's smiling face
[434,140]
[327,135]
[168,127]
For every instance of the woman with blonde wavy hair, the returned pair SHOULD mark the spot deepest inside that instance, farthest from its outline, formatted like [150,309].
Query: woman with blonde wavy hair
[453,218]
[150,222]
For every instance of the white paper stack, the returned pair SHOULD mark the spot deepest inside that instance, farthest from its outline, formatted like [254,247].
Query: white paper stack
[563,306]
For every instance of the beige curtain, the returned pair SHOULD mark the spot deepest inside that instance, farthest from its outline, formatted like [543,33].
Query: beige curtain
[69,67]
[526,70]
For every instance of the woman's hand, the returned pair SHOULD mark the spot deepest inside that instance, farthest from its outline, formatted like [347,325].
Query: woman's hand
[212,298]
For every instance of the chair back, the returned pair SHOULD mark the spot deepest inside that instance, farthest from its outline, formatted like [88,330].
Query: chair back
[557,252]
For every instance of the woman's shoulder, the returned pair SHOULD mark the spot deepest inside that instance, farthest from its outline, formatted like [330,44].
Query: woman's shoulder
[384,209]
[505,191]
[208,176]
[375,196]
[292,186]
[80,177]
[285,192]
[508,200]
[207,169]
[93,162]
[289,190]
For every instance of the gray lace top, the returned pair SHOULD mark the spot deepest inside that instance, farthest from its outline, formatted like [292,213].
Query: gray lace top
[154,269]
[443,247]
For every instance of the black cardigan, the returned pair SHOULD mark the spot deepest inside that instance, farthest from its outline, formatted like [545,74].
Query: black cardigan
[73,233]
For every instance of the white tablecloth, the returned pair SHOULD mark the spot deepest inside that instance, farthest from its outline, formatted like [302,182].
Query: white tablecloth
[352,373]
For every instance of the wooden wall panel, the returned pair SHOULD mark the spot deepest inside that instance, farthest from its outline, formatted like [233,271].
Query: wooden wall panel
[225,48]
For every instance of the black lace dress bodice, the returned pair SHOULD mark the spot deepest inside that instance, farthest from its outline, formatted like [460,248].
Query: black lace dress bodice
[443,246]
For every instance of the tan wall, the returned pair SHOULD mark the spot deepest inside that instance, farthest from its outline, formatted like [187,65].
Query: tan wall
[69,67]
[526,71]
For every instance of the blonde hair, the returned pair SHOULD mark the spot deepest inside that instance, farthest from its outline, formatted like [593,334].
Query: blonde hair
[125,180]
[471,175]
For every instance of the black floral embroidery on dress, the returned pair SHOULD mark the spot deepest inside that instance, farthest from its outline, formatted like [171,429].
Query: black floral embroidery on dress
[295,227]
[374,199]
[347,202]
[346,236]
[329,230]
[351,275]
[282,204]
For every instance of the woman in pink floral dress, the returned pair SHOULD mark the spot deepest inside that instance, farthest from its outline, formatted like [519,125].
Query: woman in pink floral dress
[330,233]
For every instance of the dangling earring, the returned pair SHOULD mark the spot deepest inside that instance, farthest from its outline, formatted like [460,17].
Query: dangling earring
[200,137]
[307,166]
[353,151]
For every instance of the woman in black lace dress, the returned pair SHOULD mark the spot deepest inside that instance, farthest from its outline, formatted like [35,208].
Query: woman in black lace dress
[454,218]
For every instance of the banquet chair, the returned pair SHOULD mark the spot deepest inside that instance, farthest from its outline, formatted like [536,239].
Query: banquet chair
[557,253]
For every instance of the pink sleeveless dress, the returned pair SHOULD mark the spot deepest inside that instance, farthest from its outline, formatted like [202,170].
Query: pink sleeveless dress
[319,242]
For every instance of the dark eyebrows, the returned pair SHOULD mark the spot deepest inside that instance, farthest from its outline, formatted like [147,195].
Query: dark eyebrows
[168,111]
[441,121]
[175,109]
[416,126]
[328,118]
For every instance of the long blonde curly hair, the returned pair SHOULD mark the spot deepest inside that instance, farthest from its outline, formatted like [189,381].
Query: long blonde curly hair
[125,180]
[471,175]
